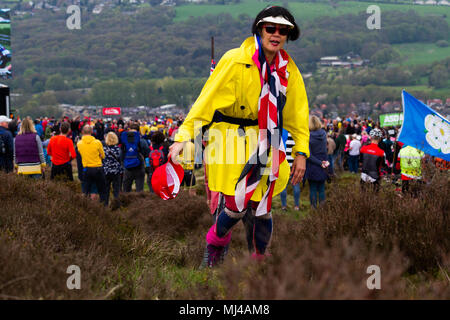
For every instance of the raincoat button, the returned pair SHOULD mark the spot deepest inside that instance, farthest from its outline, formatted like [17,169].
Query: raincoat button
[242,107]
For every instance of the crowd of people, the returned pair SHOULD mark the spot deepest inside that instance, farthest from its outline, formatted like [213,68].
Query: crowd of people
[104,164]
[110,155]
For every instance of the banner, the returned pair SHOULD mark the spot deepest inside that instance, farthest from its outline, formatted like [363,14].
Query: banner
[5,44]
[424,129]
[391,119]
[113,111]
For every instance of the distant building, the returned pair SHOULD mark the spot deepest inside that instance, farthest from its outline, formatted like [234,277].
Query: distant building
[98,9]
[432,102]
[444,3]
[350,60]
[431,2]
[419,2]
[342,64]
[168,3]
[327,61]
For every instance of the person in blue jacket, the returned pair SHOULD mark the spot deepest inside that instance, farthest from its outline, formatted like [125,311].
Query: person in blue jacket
[317,163]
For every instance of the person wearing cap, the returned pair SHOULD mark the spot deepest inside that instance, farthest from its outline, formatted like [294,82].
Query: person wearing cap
[6,146]
[373,159]
[254,92]
[353,153]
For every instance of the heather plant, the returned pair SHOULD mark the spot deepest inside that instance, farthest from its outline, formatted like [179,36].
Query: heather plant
[147,248]
[44,228]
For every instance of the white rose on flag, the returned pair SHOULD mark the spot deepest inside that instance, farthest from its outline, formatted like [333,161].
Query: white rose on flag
[437,133]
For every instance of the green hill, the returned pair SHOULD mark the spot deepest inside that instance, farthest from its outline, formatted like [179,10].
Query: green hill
[303,11]
[420,53]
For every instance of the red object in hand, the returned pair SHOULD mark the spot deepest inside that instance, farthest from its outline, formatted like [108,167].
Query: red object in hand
[166,180]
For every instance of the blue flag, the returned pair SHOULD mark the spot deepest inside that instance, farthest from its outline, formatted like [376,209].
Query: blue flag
[424,129]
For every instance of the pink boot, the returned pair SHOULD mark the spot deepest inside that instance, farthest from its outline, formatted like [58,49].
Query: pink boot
[216,247]
[212,238]
[260,257]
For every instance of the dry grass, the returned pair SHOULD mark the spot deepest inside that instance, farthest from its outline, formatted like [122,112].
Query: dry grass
[151,249]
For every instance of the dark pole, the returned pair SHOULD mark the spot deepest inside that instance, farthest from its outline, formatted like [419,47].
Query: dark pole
[212,48]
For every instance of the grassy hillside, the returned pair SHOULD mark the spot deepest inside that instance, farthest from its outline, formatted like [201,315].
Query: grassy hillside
[151,249]
[303,11]
[420,53]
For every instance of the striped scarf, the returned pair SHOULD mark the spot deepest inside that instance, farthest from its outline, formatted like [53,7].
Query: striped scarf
[270,121]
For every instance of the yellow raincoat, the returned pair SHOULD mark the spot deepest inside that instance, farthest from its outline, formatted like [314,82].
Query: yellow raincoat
[234,89]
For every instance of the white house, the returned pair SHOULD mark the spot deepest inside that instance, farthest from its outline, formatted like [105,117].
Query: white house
[444,3]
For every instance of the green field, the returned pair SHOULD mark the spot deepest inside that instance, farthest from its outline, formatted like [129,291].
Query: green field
[302,11]
[421,53]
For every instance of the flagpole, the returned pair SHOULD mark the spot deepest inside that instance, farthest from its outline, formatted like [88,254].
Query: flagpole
[212,48]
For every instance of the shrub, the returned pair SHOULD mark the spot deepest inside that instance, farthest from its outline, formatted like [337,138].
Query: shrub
[442,43]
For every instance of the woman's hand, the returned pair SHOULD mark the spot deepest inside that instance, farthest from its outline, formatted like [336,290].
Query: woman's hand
[175,150]
[298,169]
[325,164]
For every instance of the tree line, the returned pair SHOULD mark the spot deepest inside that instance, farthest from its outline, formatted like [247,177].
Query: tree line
[128,51]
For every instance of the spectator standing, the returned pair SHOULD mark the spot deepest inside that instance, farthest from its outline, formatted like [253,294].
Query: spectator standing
[144,130]
[100,130]
[316,164]
[134,151]
[13,127]
[353,153]
[39,129]
[411,161]
[373,159]
[61,150]
[28,151]
[340,146]
[6,146]
[74,127]
[112,165]
[290,143]
[331,148]
[48,131]
[92,153]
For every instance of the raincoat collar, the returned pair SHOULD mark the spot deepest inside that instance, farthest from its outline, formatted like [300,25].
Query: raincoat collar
[246,51]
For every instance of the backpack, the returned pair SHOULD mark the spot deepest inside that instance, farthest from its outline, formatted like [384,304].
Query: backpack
[131,159]
[156,157]
[2,146]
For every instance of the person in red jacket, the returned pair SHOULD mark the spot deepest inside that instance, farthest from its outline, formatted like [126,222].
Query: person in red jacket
[373,158]
[61,149]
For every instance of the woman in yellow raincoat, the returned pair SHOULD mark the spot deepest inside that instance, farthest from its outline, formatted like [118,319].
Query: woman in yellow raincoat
[254,92]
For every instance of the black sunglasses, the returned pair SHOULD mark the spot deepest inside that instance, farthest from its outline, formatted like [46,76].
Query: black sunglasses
[283,31]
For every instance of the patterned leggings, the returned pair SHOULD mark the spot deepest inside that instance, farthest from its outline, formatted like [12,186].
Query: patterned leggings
[258,229]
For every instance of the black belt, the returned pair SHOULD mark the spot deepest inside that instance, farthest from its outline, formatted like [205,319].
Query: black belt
[219,117]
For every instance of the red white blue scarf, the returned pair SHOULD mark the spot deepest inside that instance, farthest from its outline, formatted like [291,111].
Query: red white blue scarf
[270,121]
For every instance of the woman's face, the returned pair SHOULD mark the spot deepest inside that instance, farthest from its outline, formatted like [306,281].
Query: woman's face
[272,43]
